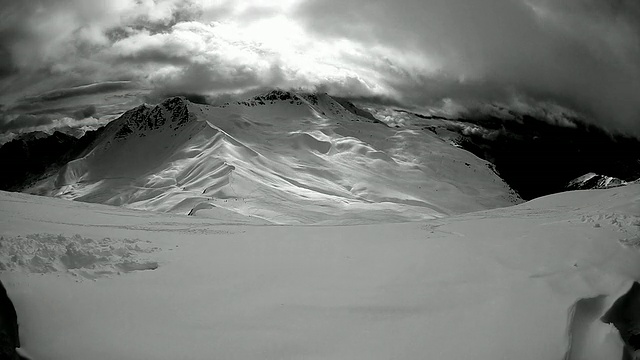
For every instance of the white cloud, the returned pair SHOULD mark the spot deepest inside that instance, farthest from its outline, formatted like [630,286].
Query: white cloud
[583,54]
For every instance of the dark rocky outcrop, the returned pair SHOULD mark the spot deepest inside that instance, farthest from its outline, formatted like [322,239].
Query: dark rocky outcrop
[625,316]
[142,119]
[9,337]
[272,97]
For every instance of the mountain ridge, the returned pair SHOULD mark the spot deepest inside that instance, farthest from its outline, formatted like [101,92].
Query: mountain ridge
[520,152]
[295,158]
[534,156]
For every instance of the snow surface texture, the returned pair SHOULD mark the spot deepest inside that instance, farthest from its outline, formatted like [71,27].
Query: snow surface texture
[46,253]
[531,281]
[282,158]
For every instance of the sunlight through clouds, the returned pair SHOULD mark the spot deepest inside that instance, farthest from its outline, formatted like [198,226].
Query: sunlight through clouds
[582,56]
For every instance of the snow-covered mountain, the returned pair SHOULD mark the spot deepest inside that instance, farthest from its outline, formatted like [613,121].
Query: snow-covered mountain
[280,157]
[556,277]
[594,181]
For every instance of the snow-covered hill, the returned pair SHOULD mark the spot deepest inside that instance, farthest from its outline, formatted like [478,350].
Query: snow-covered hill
[532,281]
[280,157]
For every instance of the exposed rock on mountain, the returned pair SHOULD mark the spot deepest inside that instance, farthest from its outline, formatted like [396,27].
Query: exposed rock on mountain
[281,157]
[594,181]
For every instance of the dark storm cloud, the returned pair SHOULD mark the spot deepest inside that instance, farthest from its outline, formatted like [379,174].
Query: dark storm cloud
[25,121]
[40,110]
[50,50]
[90,89]
[48,123]
[7,67]
[161,53]
[69,37]
[84,112]
[216,76]
[45,118]
[185,10]
[57,44]
[52,44]
[584,54]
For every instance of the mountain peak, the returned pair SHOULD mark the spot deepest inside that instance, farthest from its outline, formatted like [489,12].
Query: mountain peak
[278,94]
[172,112]
[34,135]
[272,97]
[174,101]
[594,181]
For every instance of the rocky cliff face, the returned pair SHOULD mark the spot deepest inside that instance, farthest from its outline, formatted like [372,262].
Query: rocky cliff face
[171,113]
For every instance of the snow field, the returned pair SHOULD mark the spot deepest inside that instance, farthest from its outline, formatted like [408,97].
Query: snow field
[526,282]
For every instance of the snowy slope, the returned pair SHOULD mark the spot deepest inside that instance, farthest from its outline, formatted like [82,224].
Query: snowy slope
[280,157]
[526,282]
[535,153]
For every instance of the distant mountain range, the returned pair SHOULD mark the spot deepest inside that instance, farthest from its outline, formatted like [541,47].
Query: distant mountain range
[32,156]
[286,157]
[537,157]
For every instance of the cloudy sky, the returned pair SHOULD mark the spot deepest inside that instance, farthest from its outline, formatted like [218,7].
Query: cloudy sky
[81,62]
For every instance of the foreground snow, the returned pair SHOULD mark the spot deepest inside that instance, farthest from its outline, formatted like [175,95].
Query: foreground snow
[525,282]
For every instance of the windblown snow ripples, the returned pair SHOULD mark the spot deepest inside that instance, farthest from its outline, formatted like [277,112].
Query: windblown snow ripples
[80,256]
